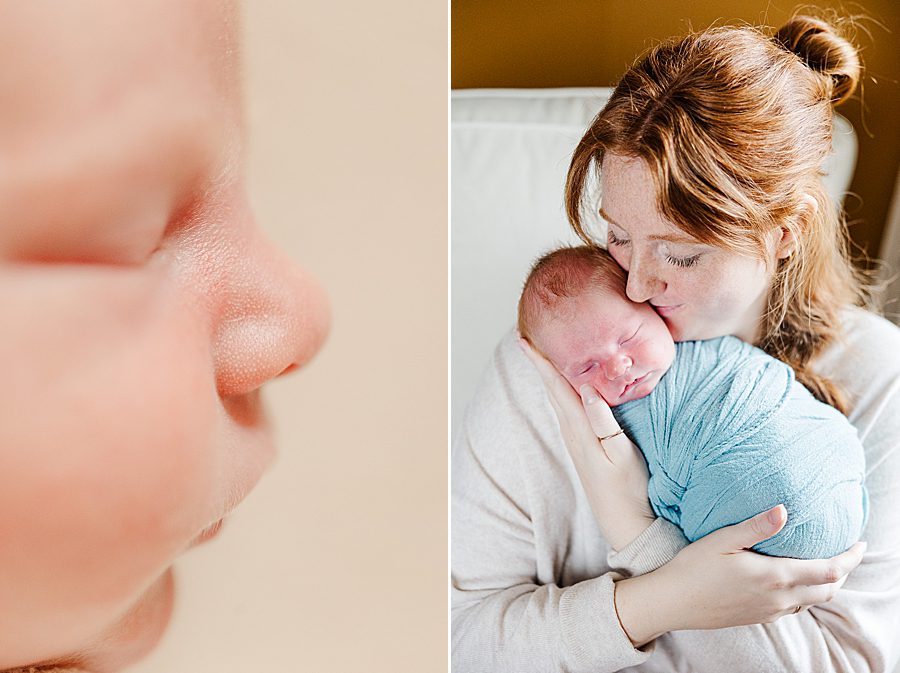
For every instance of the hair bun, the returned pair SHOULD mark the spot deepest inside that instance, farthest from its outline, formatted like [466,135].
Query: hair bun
[824,51]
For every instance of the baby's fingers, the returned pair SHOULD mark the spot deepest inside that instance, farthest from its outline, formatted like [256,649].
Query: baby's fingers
[828,571]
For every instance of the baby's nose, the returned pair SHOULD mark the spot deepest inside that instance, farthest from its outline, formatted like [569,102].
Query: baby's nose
[275,319]
[616,366]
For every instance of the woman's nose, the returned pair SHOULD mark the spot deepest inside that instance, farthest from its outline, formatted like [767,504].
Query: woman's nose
[273,319]
[643,283]
[617,365]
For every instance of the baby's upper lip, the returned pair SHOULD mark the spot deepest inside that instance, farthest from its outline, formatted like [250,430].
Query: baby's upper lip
[629,382]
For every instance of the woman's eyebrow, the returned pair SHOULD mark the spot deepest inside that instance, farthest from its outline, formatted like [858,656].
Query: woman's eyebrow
[669,238]
[606,217]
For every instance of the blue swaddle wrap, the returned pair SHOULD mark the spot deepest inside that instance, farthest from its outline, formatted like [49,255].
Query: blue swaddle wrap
[728,433]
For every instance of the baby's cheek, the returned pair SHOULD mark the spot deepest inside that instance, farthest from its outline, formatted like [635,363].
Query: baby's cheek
[159,456]
[109,460]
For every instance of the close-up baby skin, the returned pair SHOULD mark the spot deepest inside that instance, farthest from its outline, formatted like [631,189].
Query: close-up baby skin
[143,310]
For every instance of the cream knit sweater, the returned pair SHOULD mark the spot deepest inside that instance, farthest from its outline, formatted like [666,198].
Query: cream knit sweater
[533,578]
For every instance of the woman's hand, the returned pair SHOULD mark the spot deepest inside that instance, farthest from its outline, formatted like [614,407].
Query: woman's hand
[716,582]
[613,472]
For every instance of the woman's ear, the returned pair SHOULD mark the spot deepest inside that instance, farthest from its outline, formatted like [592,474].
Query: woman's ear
[808,206]
[786,244]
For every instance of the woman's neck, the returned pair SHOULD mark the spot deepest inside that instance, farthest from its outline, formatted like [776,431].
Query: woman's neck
[752,330]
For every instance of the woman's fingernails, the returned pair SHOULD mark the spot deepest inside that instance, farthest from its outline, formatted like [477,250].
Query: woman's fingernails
[588,394]
[775,515]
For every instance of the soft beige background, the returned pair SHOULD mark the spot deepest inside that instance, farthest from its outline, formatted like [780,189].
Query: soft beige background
[337,561]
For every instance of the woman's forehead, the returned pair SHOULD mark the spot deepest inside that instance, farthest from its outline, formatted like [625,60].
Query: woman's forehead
[628,195]
[629,203]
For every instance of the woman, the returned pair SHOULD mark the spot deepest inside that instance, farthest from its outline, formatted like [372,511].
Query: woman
[142,310]
[709,151]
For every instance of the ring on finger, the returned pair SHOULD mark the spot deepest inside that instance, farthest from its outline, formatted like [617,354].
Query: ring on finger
[799,608]
[615,434]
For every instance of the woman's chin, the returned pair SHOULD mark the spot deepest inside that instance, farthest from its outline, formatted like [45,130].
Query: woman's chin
[677,330]
[134,635]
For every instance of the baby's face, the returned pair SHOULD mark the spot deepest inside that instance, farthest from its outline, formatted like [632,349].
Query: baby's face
[603,339]
[142,310]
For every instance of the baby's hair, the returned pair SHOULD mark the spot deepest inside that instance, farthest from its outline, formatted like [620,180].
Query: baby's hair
[560,275]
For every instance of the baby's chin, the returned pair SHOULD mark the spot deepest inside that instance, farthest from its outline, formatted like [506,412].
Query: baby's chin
[133,635]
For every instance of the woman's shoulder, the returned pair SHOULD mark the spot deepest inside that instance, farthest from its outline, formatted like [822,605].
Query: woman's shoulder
[510,401]
[859,324]
[509,439]
[508,381]
[864,359]
[865,339]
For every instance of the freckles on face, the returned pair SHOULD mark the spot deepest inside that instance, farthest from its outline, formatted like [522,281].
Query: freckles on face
[701,291]
[726,296]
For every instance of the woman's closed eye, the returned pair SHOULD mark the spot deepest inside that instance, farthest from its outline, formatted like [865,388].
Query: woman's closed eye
[612,239]
[683,262]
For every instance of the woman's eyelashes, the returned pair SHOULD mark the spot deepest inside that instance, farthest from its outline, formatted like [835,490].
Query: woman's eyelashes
[683,262]
[674,260]
[612,239]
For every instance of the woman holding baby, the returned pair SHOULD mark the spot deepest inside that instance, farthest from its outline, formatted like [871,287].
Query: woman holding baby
[709,150]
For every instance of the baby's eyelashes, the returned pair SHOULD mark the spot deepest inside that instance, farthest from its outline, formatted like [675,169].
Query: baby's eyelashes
[586,368]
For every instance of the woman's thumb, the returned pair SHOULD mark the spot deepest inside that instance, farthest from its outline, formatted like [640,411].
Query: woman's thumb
[761,527]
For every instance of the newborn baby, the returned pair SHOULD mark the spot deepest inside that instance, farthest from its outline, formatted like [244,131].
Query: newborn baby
[726,430]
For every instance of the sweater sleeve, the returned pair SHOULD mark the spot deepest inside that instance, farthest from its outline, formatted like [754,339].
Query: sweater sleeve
[508,613]
[656,546]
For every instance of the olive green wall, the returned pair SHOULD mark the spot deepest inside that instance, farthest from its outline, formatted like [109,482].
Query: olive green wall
[553,43]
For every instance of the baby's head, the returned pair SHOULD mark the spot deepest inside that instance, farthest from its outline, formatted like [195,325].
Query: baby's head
[574,311]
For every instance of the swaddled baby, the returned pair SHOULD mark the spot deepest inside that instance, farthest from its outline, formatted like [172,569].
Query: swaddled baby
[726,429]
